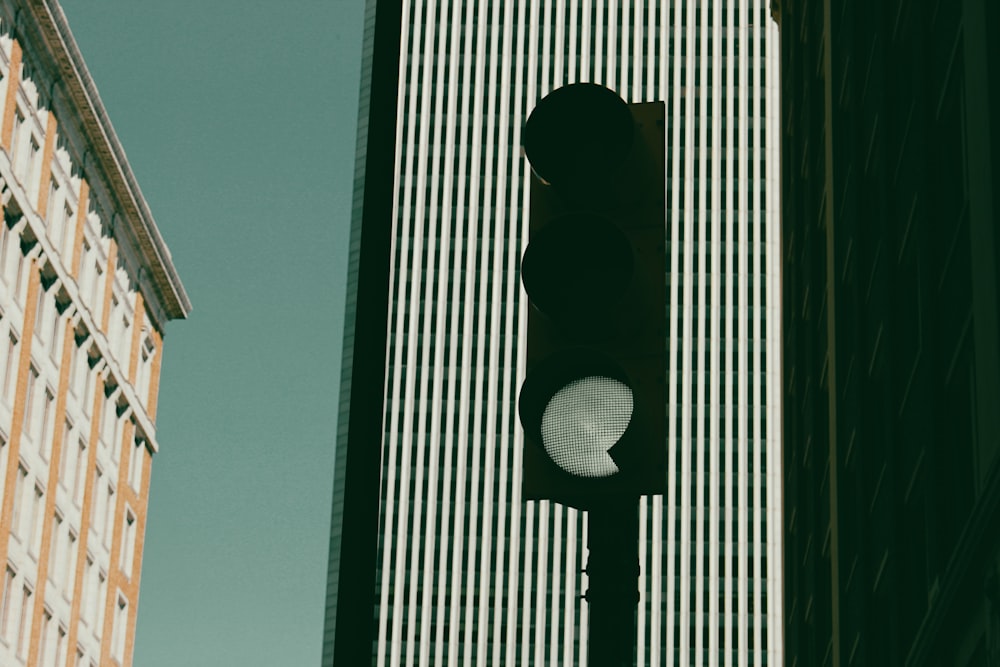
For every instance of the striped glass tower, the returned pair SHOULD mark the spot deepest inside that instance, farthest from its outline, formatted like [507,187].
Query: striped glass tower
[468,573]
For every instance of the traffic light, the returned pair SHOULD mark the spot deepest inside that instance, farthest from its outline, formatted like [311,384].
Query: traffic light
[593,404]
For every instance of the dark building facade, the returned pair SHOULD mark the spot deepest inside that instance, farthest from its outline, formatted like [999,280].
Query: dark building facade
[891,364]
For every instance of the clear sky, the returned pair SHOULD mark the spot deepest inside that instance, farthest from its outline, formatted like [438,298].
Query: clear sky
[238,118]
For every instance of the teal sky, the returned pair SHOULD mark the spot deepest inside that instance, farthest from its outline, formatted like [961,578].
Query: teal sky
[238,118]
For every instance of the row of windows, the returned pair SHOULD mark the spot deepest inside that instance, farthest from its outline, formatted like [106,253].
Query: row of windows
[50,329]
[16,614]
[51,305]
[61,567]
[59,216]
[40,430]
[30,489]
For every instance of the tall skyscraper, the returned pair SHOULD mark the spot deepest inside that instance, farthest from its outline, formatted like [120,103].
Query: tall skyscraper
[468,573]
[86,289]
[891,267]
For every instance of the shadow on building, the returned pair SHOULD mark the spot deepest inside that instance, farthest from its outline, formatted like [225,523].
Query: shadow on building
[891,365]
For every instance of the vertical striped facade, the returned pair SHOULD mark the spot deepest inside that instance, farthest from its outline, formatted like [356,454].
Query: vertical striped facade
[469,574]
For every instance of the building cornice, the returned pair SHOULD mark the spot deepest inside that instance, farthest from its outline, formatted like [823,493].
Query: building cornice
[105,153]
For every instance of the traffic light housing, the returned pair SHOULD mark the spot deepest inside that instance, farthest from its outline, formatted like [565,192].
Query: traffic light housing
[593,404]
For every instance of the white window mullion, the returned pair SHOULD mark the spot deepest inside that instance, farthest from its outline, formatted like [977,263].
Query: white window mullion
[642,621]
[430,436]
[558,46]
[540,610]
[519,204]
[489,345]
[450,42]
[719,315]
[699,90]
[598,42]
[554,598]
[527,607]
[571,598]
[626,86]
[743,332]
[774,478]
[472,368]
[656,575]
[586,41]
[689,430]
[411,442]
[399,445]
[572,64]
[508,172]
[547,79]
[611,50]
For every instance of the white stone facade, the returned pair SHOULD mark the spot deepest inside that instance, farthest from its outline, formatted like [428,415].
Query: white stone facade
[86,287]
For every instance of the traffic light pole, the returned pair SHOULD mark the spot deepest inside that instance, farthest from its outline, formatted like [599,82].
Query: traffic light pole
[613,593]
[592,400]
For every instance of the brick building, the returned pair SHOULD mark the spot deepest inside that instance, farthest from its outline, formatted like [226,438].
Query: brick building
[86,288]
